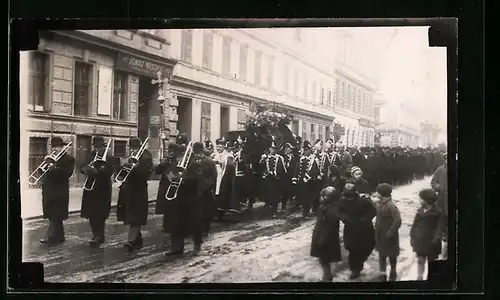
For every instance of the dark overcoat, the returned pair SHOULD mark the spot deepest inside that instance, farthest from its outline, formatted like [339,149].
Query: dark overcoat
[387,226]
[362,185]
[357,215]
[97,202]
[439,183]
[184,215]
[55,189]
[132,208]
[325,243]
[426,231]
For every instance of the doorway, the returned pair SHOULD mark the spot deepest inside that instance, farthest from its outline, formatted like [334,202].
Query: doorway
[184,113]
[146,92]
[224,121]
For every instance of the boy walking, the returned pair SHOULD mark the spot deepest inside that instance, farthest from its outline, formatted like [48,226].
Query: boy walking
[426,231]
[387,226]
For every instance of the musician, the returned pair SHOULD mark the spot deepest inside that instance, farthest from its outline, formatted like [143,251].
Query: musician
[274,172]
[327,159]
[307,170]
[241,183]
[169,162]
[291,163]
[184,215]
[132,206]
[225,173]
[55,194]
[96,203]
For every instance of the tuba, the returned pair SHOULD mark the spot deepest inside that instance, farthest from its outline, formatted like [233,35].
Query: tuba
[98,162]
[47,164]
[133,160]
[173,188]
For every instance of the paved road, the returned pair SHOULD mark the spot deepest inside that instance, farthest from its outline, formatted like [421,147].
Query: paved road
[260,250]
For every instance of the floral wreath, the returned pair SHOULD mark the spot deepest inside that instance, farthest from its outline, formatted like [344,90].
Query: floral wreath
[269,116]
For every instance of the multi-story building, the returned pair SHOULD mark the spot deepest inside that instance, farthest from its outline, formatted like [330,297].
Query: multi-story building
[99,82]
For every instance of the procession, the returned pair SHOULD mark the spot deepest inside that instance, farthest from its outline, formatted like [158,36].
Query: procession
[154,181]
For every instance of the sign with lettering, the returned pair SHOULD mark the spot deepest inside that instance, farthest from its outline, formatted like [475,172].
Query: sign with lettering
[104,91]
[141,66]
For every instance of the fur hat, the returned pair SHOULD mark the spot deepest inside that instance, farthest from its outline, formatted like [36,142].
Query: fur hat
[428,195]
[355,169]
[384,189]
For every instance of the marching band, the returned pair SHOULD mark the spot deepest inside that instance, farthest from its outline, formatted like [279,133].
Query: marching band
[199,182]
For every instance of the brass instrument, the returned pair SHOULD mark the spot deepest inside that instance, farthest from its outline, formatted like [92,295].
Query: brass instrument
[173,188]
[98,162]
[125,171]
[48,162]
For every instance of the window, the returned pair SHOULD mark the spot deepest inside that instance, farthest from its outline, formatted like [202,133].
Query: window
[38,80]
[187,45]
[335,92]
[243,61]
[37,152]
[330,98]
[327,132]
[304,131]
[258,67]
[242,119]
[205,121]
[83,85]
[295,127]
[120,149]
[342,94]
[306,85]
[286,77]
[226,55]
[296,82]
[370,105]
[313,133]
[270,72]
[363,103]
[207,49]
[320,132]
[356,100]
[298,34]
[314,96]
[322,96]
[350,97]
[120,111]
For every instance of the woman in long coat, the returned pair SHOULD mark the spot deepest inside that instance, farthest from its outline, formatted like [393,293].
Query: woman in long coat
[96,203]
[357,214]
[325,243]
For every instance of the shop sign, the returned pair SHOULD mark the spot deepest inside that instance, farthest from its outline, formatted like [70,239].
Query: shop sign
[141,66]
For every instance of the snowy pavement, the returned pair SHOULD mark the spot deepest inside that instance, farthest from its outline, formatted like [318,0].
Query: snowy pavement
[263,250]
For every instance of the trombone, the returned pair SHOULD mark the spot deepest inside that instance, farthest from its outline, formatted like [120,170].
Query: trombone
[48,162]
[98,162]
[125,171]
[173,188]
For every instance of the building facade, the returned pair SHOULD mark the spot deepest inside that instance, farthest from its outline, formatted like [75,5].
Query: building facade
[99,82]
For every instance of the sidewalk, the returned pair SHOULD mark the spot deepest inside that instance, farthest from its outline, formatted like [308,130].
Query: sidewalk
[31,200]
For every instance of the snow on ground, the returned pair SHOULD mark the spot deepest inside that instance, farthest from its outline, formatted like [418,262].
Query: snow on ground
[278,251]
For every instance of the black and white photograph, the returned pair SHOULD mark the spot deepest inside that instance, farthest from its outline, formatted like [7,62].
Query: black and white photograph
[234,155]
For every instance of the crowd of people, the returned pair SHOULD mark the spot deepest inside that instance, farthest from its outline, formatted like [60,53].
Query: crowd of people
[210,182]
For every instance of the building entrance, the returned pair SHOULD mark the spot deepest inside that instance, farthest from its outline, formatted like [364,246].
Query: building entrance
[146,95]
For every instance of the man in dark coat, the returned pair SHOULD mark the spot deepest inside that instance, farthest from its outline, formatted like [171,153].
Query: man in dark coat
[55,193]
[291,163]
[357,214]
[184,215]
[308,168]
[240,183]
[325,243]
[162,169]
[96,199]
[439,183]
[132,208]
[275,171]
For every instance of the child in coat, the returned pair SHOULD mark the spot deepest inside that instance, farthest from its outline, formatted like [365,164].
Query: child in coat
[426,231]
[325,243]
[387,225]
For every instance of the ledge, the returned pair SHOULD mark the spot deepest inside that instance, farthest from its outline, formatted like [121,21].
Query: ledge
[89,120]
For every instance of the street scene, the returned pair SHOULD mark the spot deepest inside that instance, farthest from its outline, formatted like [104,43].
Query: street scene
[234,155]
[265,250]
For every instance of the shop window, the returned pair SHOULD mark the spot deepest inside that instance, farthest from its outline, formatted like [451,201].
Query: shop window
[226,55]
[258,67]
[207,48]
[242,119]
[243,61]
[82,89]
[205,121]
[187,45]
[120,109]
[38,80]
